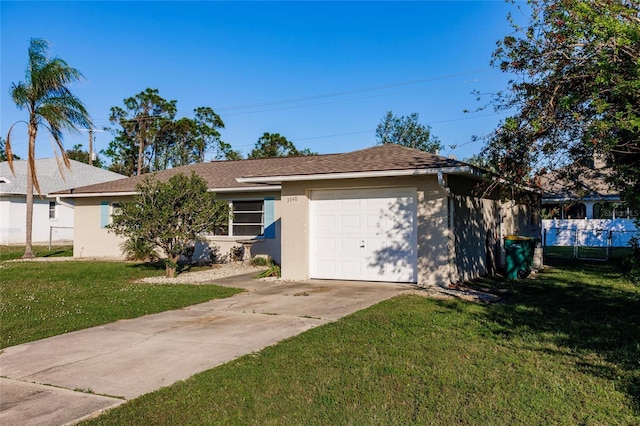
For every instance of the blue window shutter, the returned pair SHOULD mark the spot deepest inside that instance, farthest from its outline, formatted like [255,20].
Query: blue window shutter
[104,214]
[269,217]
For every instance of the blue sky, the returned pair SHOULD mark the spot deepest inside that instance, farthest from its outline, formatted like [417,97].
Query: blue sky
[322,74]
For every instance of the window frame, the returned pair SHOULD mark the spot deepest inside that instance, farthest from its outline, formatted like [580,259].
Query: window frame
[267,224]
[53,210]
[233,223]
[229,228]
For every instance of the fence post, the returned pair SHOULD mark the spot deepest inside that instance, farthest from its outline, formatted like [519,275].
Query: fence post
[50,236]
[609,244]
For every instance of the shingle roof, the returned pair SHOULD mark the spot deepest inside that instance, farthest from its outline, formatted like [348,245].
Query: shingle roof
[52,177]
[379,158]
[223,175]
[590,184]
[219,175]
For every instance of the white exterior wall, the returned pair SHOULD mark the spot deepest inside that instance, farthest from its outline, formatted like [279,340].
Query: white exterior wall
[13,220]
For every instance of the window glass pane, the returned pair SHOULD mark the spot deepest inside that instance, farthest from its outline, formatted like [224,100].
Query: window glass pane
[247,218]
[603,210]
[246,230]
[551,211]
[255,218]
[247,206]
[52,209]
[575,211]
[221,230]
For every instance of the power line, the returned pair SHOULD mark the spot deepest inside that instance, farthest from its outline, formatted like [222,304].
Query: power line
[371,131]
[349,92]
[321,96]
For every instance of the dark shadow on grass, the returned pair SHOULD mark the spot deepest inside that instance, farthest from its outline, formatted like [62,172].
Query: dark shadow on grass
[157,265]
[582,317]
[61,252]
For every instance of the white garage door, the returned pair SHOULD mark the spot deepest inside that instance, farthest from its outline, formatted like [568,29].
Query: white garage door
[363,234]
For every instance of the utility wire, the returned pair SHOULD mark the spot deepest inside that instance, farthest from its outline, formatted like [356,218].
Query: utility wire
[321,96]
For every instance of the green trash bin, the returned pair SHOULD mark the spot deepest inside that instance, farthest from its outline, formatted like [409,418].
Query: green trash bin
[519,252]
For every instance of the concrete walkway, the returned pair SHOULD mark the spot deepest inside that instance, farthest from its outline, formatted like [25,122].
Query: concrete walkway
[63,379]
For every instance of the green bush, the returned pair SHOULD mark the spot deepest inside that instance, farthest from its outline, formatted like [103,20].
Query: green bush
[139,249]
[273,271]
[260,261]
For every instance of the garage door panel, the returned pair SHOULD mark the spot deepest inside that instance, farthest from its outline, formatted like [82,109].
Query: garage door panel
[374,232]
[350,222]
[349,246]
[325,221]
[327,265]
[325,244]
[351,269]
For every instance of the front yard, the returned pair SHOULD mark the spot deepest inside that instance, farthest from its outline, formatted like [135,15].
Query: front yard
[41,299]
[563,349]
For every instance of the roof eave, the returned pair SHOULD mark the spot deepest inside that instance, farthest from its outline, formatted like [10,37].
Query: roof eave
[129,193]
[354,175]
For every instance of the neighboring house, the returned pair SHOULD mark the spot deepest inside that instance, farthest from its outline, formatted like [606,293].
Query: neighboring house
[387,213]
[52,217]
[585,213]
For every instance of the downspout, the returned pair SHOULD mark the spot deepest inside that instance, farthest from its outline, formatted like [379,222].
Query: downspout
[64,203]
[450,228]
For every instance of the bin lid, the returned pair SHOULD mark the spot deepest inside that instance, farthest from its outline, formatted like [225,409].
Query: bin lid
[518,238]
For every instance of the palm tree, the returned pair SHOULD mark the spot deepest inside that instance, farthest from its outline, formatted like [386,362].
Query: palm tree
[50,103]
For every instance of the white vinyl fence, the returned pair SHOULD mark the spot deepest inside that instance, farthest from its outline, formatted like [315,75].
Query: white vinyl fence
[588,239]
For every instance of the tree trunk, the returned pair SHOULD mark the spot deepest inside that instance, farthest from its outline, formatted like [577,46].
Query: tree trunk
[171,266]
[31,169]
[170,271]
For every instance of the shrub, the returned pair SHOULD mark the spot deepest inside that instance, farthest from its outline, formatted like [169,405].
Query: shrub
[260,261]
[273,271]
[235,253]
[139,249]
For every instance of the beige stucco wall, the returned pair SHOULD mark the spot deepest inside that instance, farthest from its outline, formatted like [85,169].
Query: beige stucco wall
[480,225]
[459,236]
[476,230]
[90,240]
[433,237]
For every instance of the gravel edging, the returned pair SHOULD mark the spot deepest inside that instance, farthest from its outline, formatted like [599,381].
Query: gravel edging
[217,271]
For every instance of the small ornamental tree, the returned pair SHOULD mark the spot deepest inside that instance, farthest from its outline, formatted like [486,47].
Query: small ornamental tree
[171,215]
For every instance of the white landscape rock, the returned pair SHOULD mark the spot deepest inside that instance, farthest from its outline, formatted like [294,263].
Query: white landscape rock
[215,272]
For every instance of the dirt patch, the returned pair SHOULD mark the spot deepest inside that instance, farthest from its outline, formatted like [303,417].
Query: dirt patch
[455,293]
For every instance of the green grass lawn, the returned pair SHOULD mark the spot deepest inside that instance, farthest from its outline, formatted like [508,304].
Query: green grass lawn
[16,252]
[42,299]
[564,348]
[599,253]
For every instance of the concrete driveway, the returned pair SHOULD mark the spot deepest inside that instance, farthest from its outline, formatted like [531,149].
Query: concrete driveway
[63,379]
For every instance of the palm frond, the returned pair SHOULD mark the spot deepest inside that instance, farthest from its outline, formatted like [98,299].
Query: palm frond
[20,94]
[8,151]
[34,172]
